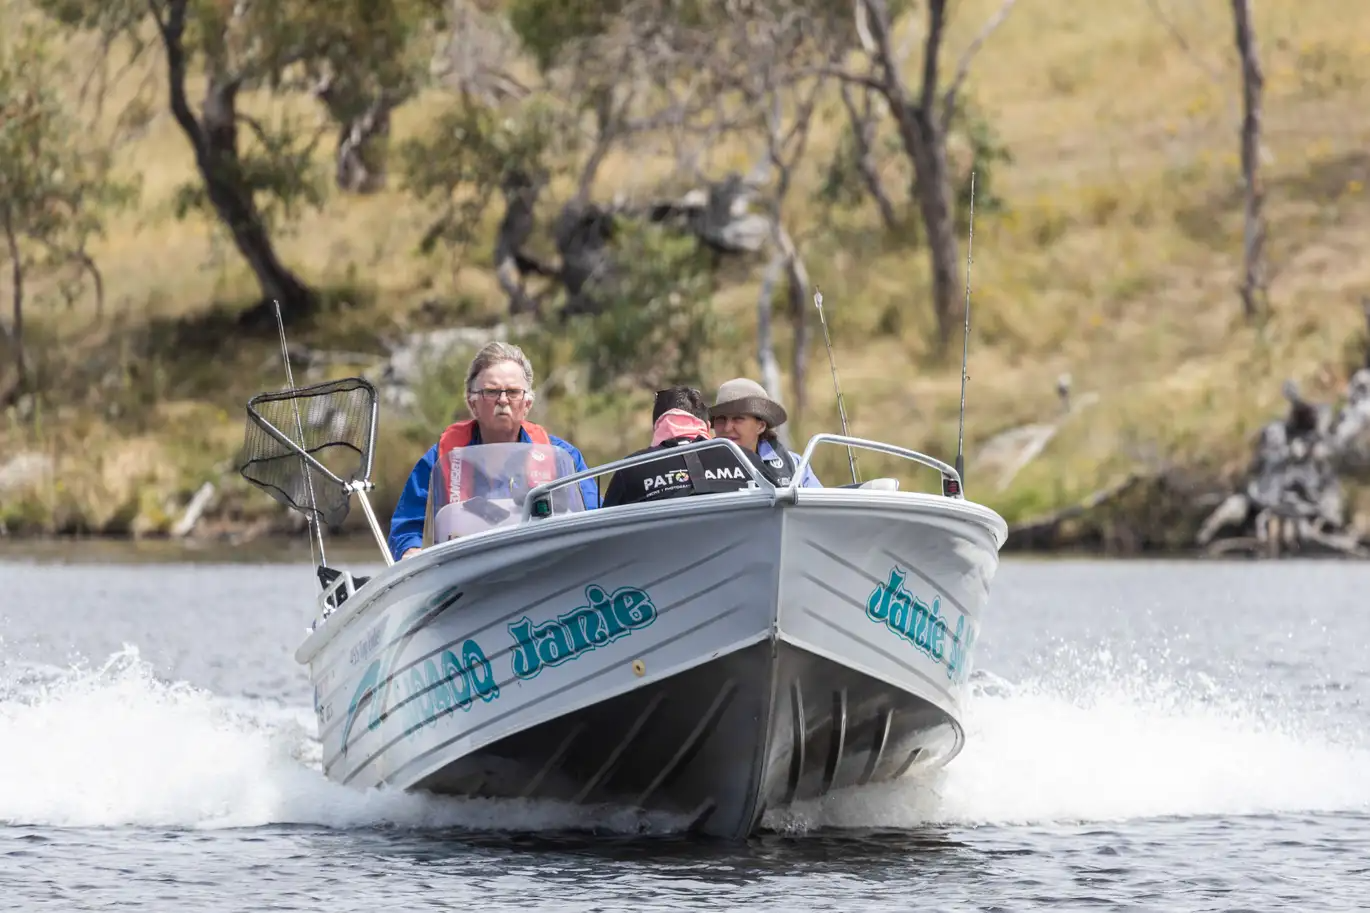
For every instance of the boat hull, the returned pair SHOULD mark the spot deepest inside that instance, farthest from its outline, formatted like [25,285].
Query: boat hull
[708,660]
[714,747]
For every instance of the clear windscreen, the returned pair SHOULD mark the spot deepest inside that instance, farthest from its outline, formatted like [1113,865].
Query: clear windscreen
[484,486]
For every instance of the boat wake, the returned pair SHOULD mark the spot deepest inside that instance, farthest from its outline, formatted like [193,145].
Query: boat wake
[1109,741]
[113,745]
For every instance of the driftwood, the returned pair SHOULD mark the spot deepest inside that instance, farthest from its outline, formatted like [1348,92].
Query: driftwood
[194,510]
[719,215]
[1291,498]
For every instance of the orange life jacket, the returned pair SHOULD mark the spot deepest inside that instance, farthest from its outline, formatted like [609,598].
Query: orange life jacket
[460,434]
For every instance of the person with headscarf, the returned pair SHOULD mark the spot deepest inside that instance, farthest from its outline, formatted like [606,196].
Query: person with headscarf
[680,416]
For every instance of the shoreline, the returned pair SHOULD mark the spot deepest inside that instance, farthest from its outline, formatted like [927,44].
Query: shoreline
[360,547]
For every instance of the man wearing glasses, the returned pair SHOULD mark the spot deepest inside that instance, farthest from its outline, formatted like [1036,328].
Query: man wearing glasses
[499,393]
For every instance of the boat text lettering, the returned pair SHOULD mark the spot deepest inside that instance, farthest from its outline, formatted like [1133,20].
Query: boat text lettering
[601,621]
[367,645]
[439,685]
[682,477]
[922,625]
[424,692]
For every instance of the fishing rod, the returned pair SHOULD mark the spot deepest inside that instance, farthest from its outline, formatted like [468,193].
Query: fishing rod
[299,430]
[841,408]
[965,350]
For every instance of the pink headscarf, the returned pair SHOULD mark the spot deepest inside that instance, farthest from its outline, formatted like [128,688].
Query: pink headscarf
[679,423]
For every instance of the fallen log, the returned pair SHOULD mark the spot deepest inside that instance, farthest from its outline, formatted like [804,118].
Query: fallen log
[194,510]
[1044,532]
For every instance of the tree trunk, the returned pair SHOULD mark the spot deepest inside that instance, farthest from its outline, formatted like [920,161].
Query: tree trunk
[923,125]
[1254,296]
[363,117]
[799,316]
[363,147]
[520,197]
[17,280]
[217,158]
[214,139]
[925,145]
[765,346]
[797,289]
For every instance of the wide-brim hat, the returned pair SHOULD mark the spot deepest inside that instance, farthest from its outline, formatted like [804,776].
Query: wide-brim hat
[742,396]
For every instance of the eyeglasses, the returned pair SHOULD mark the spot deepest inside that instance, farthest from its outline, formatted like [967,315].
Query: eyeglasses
[492,394]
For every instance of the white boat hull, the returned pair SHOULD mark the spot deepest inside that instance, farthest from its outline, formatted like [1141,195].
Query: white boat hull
[710,657]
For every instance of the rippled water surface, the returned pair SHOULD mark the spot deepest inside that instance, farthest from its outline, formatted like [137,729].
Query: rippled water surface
[1186,736]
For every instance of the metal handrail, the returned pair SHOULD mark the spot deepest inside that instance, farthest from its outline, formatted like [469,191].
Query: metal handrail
[345,582]
[946,470]
[543,491]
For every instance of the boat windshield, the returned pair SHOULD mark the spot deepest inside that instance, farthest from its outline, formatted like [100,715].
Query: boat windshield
[483,487]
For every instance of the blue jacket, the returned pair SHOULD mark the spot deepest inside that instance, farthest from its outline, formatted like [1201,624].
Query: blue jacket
[406,525]
[768,454]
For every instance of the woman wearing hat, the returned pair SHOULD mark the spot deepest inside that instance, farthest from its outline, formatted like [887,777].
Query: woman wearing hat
[743,412]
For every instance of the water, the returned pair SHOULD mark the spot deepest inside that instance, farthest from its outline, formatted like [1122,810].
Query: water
[1185,736]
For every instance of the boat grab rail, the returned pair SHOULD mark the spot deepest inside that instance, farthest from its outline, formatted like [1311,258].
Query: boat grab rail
[541,495]
[947,471]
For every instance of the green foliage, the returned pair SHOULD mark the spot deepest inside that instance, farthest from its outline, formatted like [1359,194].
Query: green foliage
[47,176]
[364,48]
[987,153]
[656,327]
[547,27]
[267,45]
[439,390]
[841,183]
[107,18]
[469,154]
[55,187]
[279,168]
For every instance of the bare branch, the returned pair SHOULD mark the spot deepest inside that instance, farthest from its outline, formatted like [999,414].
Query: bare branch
[863,133]
[256,126]
[171,23]
[963,67]
[866,80]
[1183,42]
[932,47]
[83,260]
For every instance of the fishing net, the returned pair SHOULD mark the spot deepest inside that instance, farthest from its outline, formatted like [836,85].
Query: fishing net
[334,422]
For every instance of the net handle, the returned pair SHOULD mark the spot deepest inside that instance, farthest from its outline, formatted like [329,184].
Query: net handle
[282,438]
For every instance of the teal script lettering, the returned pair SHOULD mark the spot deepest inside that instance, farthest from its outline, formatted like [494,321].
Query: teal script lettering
[426,691]
[922,625]
[601,621]
[445,685]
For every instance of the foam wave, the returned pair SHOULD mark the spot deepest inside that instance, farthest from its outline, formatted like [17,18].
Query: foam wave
[115,746]
[1105,742]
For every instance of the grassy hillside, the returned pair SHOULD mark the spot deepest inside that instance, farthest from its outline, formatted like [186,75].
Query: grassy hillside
[1116,260]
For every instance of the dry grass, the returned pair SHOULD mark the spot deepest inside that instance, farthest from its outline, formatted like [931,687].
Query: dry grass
[1117,261]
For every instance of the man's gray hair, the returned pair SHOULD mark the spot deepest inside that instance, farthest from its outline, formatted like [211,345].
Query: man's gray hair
[494,353]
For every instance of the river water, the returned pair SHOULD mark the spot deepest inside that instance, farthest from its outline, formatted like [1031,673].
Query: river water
[1167,736]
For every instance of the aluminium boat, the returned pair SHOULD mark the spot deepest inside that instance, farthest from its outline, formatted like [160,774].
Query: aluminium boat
[710,658]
